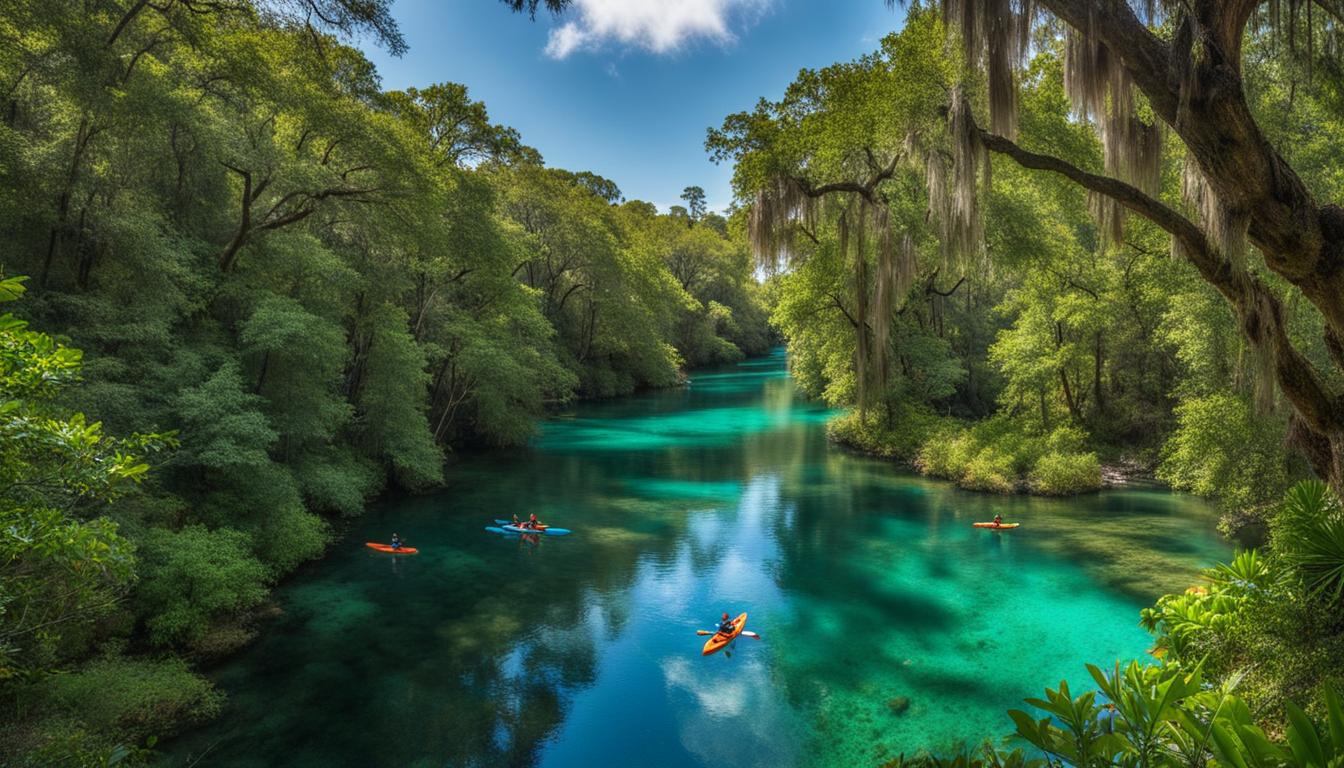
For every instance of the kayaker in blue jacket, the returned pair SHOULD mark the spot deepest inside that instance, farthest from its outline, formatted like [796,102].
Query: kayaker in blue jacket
[726,625]
[396,541]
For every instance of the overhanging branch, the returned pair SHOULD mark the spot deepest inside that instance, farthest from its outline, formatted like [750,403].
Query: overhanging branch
[1258,308]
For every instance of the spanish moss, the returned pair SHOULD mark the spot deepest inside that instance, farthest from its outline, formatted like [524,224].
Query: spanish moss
[771,222]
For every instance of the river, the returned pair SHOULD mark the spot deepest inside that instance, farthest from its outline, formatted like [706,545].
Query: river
[888,623]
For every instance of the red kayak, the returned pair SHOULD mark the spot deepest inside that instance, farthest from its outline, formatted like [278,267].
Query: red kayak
[720,639]
[388,548]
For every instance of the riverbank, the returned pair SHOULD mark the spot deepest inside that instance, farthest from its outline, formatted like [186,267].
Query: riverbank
[996,455]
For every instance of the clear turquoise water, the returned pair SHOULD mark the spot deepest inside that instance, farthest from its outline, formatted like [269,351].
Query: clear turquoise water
[867,583]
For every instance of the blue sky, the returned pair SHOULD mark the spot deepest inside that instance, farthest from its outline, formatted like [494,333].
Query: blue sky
[626,88]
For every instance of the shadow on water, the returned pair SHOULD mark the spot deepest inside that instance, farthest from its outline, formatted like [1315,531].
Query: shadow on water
[890,625]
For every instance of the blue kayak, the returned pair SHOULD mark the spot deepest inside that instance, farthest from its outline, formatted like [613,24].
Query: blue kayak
[508,527]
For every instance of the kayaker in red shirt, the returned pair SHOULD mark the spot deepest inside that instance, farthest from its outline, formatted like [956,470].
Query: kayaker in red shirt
[532,522]
[998,519]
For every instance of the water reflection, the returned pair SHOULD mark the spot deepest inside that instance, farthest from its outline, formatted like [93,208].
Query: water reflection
[890,625]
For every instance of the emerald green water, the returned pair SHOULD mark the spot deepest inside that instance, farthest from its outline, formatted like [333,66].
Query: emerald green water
[867,583]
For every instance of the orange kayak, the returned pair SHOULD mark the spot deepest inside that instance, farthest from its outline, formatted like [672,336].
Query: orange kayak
[720,639]
[996,526]
[388,548]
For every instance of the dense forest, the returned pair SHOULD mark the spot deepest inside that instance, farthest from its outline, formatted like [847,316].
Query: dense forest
[248,290]
[289,290]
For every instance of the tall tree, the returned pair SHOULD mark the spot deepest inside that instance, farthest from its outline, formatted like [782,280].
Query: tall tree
[695,202]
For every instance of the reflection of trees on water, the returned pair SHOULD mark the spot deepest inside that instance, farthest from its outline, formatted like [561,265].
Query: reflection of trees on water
[508,704]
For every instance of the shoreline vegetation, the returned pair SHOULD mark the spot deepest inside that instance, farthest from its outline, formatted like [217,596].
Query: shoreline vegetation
[990,456]
[965,454]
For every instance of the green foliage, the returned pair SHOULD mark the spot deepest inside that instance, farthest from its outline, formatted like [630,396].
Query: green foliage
[1308,536]
[1220,447]
[1064,474]
[65,743]
[296,358]
[223,426]
[899,437]
[110,712]
[392,404]
[62,566]
[336,481]
[1002,456]
[193,576]
[133,698]
[1269,617]
[1159,715]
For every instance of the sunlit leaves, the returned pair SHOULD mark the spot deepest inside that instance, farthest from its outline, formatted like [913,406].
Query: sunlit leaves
[61,565]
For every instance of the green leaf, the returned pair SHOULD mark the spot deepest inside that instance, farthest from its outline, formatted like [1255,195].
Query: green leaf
[1302,738]
[1227,746]
[1335,716]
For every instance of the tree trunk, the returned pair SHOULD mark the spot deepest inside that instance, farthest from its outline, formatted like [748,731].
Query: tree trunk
[82,136]
[1097,365]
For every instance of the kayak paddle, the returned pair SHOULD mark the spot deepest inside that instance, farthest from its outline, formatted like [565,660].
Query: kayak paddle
[744,633]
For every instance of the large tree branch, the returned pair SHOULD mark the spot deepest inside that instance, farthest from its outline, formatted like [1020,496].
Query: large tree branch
[126,19]
[1194,85]
[1143,53]
[1127,195]
[865,189]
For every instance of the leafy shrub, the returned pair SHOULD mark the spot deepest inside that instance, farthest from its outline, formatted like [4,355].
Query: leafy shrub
[991,470]
[1308,535]
[1271,618]
[1222,448]
[938,455]
[194,576]
[1064,474]
[1002,455]
[289,536]
[60,741]
[337,481]
[901,437]
[134,697]
[1167,715]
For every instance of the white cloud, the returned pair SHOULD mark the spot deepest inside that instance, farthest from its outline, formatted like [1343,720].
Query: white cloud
[659,26]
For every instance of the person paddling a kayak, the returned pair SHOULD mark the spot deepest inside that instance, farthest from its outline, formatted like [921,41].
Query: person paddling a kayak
[726,625]
[532,522]
[396,541]
[998,519]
